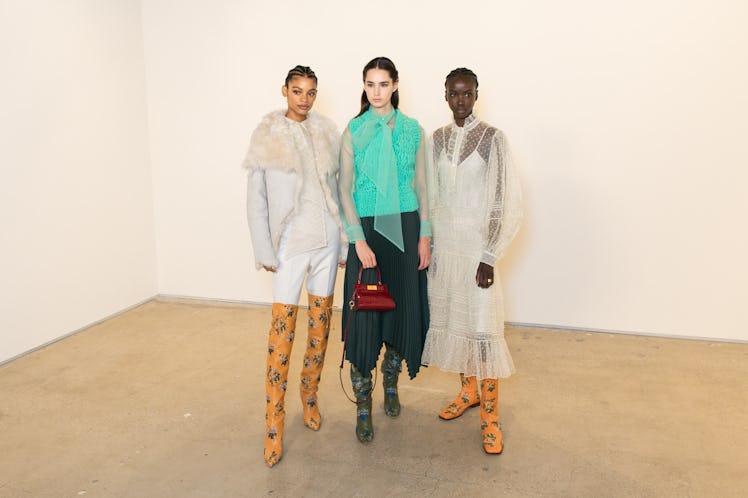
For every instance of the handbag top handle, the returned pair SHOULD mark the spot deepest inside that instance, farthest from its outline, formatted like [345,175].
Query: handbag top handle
[379,275]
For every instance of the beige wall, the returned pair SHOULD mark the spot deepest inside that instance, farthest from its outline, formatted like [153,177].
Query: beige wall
[76,211]
[628,121]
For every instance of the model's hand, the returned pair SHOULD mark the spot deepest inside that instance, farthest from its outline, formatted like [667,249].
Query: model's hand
[270,268]
[341,264]
[365,254]
[484,276]
[424,252]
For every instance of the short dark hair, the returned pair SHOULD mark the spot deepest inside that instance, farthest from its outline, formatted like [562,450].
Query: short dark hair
[461,71]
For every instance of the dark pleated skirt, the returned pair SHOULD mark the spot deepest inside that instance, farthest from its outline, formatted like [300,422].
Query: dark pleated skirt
[405,327]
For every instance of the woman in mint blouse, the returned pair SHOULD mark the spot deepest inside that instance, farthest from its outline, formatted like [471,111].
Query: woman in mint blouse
[384,201]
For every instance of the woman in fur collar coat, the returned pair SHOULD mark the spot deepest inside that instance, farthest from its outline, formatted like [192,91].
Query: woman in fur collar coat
[292,207]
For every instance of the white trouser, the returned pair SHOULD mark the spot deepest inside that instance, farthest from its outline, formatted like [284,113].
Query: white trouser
[319,266]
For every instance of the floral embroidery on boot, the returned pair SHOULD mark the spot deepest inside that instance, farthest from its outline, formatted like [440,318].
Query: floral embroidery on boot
[320,312]
[280,342]
[466,398]
[493,439]
[391,367]
[362,390]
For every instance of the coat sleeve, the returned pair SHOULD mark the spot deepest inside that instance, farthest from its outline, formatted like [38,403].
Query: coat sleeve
[258,218]
[503,201]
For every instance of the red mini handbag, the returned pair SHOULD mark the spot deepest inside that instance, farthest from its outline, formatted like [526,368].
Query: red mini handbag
[371,297]
[366,297]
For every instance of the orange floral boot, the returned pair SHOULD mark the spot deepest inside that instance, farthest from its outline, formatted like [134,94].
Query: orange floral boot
[493,440]
[280,342]
[320,315]
[467,398]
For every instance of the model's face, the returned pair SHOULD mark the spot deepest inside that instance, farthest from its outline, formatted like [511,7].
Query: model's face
[461,94]
[300,94]
[379,88]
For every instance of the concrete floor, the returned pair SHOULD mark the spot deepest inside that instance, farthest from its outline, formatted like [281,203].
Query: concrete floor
[167,400]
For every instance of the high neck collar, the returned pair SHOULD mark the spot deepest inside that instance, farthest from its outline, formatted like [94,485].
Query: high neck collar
[470,122]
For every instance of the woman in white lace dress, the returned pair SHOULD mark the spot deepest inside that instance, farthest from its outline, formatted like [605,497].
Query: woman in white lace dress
[475,213]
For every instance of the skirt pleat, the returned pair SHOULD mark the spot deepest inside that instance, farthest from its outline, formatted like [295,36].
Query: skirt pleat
[403,328]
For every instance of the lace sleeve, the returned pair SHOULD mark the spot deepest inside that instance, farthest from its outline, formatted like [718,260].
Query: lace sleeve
[504,201]
[421,185]
[348,214]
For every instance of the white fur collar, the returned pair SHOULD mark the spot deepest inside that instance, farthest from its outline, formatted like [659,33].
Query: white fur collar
[269,147]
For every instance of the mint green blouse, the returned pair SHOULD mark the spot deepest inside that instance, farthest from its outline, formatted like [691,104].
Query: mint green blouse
[367,185]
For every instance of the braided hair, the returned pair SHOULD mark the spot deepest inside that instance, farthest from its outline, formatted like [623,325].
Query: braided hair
[461,71]
[300,72]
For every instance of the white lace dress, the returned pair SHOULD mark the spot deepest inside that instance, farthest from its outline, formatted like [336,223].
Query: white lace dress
[475,213]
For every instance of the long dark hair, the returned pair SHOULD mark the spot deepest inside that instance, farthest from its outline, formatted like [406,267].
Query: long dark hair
[387,65]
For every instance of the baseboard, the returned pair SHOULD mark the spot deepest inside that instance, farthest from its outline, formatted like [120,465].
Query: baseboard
[229,302]
[79,329]
[208,301]
[234,303]
[625,332]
